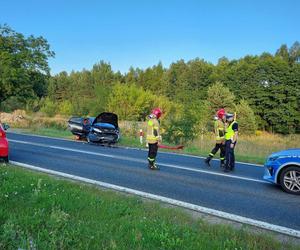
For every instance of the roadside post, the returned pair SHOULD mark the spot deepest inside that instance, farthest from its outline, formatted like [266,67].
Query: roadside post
[141,136]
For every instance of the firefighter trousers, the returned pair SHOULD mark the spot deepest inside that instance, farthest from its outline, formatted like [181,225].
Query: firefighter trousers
[221,147]
[153,147]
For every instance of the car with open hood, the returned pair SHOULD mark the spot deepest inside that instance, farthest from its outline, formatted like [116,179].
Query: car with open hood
[101,129]
[104,129]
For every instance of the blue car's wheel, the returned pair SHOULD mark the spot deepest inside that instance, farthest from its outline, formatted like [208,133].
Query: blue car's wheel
[289,180]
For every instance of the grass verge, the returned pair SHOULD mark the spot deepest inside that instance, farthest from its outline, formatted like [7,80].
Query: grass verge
[41,212]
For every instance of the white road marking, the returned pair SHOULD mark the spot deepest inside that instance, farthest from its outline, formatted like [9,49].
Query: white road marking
[143,149]
[140,161]
[213,212]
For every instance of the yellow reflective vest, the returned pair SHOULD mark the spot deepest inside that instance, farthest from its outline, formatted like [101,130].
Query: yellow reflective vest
[229,131]
[153,135]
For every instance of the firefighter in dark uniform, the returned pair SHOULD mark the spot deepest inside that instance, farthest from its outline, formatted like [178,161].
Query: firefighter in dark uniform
[153,137]
[220,140]
[231,136]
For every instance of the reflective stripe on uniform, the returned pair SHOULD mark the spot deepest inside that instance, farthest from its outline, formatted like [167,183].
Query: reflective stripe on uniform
[151,159]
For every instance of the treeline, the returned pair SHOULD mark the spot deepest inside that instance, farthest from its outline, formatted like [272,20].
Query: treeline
[264,90]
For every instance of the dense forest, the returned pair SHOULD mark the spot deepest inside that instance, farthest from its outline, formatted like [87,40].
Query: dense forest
[263,89]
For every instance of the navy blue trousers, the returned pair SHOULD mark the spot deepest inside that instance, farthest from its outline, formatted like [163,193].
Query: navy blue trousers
[229,155]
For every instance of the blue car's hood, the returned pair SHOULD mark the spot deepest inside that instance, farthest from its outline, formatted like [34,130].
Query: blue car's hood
[287,152]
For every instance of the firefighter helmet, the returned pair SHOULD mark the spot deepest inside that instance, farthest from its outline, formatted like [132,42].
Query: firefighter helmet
[157,112]
[221,113]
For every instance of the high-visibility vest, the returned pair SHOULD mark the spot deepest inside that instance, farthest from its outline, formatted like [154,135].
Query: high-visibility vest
[219,130]
[229,131]
[153,125]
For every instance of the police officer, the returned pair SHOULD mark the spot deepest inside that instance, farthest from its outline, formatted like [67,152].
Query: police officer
[231,136]
[153,137]
[220,140]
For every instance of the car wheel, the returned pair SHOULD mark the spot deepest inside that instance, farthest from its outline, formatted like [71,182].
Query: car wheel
[5,159]
[290,180]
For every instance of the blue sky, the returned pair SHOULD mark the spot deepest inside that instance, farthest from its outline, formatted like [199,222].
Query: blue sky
[142,33]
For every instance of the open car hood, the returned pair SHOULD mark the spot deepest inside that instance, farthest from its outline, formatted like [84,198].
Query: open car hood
[107,117]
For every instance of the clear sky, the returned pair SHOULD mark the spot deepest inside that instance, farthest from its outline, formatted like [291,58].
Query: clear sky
[141,33]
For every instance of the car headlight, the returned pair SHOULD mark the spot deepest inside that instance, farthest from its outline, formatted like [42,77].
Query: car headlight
[97,130]
[273,158]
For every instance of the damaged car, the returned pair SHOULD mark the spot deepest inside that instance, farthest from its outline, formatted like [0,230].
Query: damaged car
[103,129]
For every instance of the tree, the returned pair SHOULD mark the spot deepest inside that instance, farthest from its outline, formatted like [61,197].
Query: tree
[294,52]
[102,73]
[283,52]
[245,118]
[130,102]
[219,96]
[23,65]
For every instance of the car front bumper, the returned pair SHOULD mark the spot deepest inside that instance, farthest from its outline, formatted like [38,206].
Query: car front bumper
[103,137]
[270,171]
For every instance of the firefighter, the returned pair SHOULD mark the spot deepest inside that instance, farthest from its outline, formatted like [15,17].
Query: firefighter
[231,136]
[220,140]
[153,137]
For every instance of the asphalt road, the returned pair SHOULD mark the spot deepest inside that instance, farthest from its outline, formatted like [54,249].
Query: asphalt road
[181,177]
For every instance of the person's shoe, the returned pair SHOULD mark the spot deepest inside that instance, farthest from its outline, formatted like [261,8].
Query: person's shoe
[155,167]
[226,170]
[207,161]
[150,166]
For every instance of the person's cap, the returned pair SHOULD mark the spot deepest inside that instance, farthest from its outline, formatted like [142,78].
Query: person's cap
[229,115]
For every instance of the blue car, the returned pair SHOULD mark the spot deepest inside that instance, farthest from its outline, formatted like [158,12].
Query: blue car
[103,129]
[283,168]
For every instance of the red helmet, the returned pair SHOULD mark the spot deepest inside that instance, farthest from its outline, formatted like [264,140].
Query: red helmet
[221,113]
[157,112]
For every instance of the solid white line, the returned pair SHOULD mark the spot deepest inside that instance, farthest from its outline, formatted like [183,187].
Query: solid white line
[143,149]
[140,161]
[221,214]
[214,173]
[43,136]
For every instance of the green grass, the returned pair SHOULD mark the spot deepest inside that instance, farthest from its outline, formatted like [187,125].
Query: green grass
[42,212]
[52,132]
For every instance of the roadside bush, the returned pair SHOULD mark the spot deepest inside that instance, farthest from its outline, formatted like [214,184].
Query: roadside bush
[66,108]
[130,102]
[34,105]
[49,107]
[11,104]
